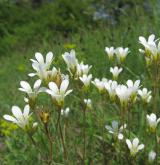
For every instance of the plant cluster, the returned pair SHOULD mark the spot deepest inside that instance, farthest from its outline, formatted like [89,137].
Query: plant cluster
[50,118]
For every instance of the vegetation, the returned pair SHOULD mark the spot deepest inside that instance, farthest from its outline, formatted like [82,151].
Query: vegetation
[51,26]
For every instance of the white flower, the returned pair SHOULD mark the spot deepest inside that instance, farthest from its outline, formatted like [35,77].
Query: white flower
[59,93]
[151,156]
[149,42]
[133,146]
[145,95]
[115,130]
[41,67]
[153,121]
[40,60]
[151,49]
[21,119]
[110,51]
[86,79]
[121,53]
[133,87]
[71,61]
[32,93]
[65,112]
[99,84]
[82,69]
[115,72]
[88,103]
[123,93]
[111,88]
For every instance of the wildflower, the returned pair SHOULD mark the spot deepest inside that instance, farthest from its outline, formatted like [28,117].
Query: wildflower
[65,112]
[88,103]
[86,80]
[151,49]
[31,93]
[151,156]
[42,68]
[133,87]
[133,146]
[115,72]
[110,51]
[145,95]
[115,130]
[59,93]
[121,53]
[71,61]
[149,42]
[111,88]
[99,84]
[40,60]
[152,121]
[82,69]
[21,119]
[123,93]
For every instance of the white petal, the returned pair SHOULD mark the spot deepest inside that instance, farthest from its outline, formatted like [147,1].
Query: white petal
[50,92]
[64,85]
[10,118]
[16,111]
[135,142]
[31,74]
[53,87]
[141,146]
[37,84]
[39,57]
[109,128]
[115,125]
[68,92]
[26,110]
[129,143]
[26,86]
[49,57]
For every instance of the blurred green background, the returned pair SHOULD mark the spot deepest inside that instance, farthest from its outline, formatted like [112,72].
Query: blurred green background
[27,26]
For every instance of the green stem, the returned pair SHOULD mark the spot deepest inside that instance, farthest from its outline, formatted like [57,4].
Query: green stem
[62,138]
[156,148]
[84,135]
[48,134]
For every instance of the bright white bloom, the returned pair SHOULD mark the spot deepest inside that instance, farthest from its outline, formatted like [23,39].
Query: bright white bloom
[115,130]
[145,95]
[111,88]
[41,67]
[152,51]
[153,121]
[20,118]
[86,79]
[83,69]
[151,156]
[99,84]
[65,112]
[149,42]
[40,60]
[133,87]
[59,93]
[88,103]
[121,53]
[71,61]
[134,146]
[32,93]
[110,51]
[115,72]
[123,93]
